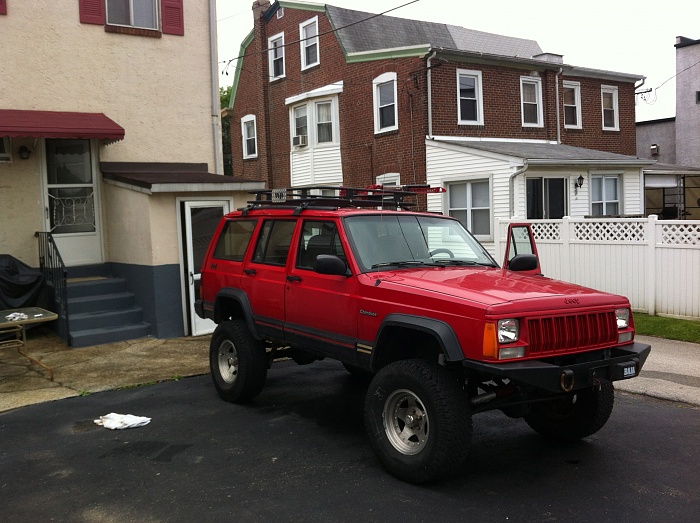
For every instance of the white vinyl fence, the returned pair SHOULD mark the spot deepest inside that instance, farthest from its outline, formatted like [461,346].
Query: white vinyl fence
[655,263]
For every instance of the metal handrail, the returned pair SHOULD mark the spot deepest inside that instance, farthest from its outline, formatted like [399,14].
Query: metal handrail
[56,274]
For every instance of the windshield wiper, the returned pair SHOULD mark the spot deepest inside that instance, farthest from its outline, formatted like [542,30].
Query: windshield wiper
[400,264]
[451,261]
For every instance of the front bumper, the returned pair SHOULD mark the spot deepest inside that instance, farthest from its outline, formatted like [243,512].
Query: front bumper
[578,371]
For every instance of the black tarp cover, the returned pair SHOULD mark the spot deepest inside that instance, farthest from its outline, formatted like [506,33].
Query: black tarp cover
[20,285]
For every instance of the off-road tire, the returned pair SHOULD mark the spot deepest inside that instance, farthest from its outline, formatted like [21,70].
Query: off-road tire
[573,416]
[418,420]
[237,362]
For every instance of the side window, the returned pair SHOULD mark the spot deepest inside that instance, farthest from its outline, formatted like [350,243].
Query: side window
[273,242]
[234,239]
[308,35]
[611,120]
[249,133]
[275,59]
[318,237]
[470,104]
[386,117]
[531,101]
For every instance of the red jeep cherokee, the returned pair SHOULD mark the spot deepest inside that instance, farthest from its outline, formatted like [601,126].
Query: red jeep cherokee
[415,303]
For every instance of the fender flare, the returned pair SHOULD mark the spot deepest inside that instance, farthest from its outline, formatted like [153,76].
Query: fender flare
[237,295]
[443,333]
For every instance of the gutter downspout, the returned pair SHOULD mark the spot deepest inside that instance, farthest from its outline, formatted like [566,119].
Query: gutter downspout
[430,95]
[511,187]
[215,100]
[556,95]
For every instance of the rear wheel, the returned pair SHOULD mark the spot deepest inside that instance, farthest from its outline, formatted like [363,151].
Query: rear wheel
[573,416]
[418,421]
[237,362]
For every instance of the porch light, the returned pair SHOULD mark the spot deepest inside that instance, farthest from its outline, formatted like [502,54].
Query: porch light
[578,183]
[24,152]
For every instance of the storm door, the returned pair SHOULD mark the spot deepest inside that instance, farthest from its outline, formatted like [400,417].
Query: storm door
[546,198]
[71,201]
[200,221]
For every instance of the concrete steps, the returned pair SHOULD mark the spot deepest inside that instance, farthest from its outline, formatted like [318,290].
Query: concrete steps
[101,310]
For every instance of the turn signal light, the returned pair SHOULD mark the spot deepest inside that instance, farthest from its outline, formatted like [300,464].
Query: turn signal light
[490,345]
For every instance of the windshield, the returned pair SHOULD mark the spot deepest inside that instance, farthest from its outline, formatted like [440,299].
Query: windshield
[380,241]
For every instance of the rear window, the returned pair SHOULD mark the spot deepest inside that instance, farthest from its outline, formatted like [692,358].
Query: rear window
[234,239]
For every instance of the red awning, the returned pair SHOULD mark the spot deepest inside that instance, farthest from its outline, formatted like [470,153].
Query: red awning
[54,124]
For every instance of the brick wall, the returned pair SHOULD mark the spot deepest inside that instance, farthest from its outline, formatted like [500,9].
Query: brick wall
[366,155]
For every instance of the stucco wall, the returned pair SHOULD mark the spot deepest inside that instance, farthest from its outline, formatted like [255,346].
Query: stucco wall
[687,109]
[21,205]
[661,133]
[158,89]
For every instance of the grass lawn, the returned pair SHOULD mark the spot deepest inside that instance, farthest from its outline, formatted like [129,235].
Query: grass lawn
[669,328]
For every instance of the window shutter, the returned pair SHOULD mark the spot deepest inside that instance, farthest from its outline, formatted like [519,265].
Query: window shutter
[173,20]
[92,12]
[3,7]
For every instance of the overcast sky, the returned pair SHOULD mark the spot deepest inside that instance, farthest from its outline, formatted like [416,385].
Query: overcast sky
[625,36]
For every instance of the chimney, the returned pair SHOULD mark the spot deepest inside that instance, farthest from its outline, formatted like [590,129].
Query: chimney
[260,7]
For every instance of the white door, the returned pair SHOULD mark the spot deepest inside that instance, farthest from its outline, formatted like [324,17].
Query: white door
[201,219]
[71,201]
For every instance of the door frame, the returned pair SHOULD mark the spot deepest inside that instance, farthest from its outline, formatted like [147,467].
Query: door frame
[187,308]
[97,198]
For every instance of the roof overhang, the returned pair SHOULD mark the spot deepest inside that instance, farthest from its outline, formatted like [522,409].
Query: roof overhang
[155,177]
[58,124]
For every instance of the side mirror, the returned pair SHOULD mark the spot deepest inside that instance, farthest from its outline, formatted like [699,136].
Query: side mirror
[331,264]
[523,262]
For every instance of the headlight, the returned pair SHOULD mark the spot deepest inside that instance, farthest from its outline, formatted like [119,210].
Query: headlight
[623,318]
[509,330]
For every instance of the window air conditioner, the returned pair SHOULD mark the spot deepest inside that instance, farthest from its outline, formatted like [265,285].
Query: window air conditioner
[299,140]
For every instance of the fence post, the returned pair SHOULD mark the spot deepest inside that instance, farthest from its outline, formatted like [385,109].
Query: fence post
[651,280]
[565,249]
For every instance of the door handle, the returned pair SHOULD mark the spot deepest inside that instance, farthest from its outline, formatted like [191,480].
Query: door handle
[213,266]
[296,279]
[249,271]
[191,278]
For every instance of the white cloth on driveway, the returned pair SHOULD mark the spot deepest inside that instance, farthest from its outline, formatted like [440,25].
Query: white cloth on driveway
[122,421]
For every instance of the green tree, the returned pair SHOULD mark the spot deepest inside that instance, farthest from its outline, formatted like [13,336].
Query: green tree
[225,98]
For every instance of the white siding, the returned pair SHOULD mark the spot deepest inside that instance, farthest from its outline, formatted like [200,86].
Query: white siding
[316,166]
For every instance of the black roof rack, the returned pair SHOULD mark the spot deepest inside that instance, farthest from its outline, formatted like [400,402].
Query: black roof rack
[391,197]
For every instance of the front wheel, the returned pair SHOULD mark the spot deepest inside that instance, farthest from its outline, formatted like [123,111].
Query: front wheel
[573,416]
[237,362]
[418,421]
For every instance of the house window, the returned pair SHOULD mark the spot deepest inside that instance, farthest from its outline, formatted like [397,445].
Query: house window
[250,142]
[275,56]
[386,116]
[389,179]
[610,112]
[136,17]
[531,101]
[546,198]
[470,203]
[142,14]
[605,195]
[5,153]
[470,107]
[324,122]
[308,34]
[316,121]
[572,105]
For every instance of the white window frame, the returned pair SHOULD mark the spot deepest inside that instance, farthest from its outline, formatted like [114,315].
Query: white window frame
[470,208]
[5,151]
[606,201]
[304,43]
[576,86]
[156,16]
[610,89]
[249,118]
[479,98]
[312,122]
[271,56]
[537,82]
[376,84]
[389,179]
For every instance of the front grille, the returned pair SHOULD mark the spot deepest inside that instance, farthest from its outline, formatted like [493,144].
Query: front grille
[574,332]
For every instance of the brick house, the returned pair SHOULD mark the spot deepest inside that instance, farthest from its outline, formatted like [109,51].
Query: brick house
[330,96]
[109,147]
